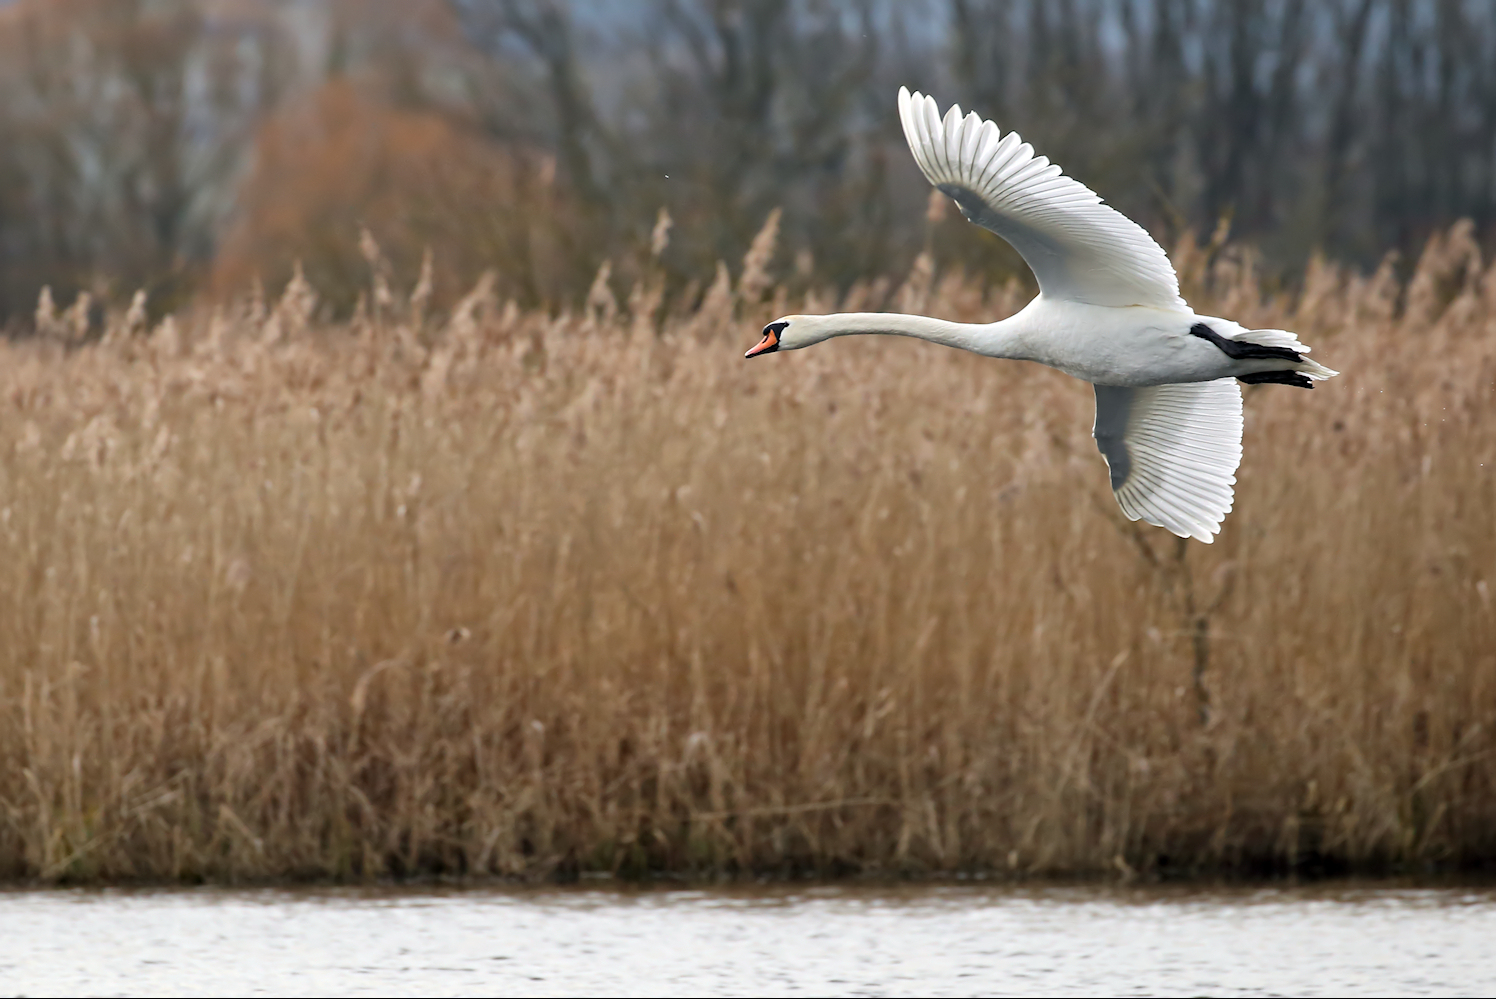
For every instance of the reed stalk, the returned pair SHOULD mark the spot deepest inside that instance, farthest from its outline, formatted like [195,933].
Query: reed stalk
[525,595]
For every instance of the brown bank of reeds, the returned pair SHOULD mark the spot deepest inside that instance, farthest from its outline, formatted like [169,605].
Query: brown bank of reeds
[523,595]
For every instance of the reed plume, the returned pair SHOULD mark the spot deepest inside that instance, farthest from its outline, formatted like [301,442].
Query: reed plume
[528,595]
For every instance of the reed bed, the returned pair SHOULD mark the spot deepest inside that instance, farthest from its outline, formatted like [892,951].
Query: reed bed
[513,594]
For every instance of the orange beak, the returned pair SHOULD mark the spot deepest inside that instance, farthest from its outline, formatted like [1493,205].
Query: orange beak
[767,345]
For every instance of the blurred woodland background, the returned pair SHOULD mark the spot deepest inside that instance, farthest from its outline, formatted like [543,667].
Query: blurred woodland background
[196,146]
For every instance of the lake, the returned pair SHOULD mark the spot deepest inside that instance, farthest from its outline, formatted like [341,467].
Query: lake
[961,939]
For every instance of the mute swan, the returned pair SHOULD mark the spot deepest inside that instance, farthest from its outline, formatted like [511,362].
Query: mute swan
[1168,412]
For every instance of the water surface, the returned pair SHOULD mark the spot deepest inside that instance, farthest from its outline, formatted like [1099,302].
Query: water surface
[785,940]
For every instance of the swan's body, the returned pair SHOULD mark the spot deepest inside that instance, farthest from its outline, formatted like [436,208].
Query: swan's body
[1133,347]
[1168,410]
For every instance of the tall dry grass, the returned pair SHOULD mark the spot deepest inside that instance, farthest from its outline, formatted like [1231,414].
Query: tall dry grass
[528,595]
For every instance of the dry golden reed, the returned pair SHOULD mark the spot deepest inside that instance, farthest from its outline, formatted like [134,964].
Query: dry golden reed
[524,595]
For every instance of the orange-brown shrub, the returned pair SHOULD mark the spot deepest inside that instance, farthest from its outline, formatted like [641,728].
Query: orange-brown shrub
[339,162]
[520,594]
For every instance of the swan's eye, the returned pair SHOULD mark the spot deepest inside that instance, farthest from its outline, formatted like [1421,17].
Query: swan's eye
[770,342]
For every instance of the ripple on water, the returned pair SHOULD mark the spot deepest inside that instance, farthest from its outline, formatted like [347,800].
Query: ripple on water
[783,940]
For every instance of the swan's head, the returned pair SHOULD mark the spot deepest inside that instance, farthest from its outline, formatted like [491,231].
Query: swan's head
[791,333]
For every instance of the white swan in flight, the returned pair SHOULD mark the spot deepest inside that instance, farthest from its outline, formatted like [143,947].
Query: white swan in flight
[1168,410]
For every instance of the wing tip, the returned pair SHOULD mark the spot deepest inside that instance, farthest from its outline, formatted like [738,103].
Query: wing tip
[1203,526]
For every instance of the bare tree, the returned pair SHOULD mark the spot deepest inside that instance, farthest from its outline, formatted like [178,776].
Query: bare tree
[129,130]
[720,112]
[125,124]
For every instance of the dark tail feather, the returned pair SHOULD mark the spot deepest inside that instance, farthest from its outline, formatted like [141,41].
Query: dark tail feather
[1244,350]
[1277,378]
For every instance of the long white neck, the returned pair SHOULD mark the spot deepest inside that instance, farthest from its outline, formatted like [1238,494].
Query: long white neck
[1000,339]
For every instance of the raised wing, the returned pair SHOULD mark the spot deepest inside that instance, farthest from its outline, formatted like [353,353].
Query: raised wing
[1173,452]
[1079,248]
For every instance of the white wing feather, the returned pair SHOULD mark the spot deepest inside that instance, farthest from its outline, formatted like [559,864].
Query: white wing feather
[1173,451]
[1079,248]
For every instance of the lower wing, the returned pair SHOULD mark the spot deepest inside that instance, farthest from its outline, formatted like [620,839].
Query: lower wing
[1173,451]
